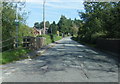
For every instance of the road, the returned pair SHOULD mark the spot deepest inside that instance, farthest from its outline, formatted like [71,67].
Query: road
[67,61]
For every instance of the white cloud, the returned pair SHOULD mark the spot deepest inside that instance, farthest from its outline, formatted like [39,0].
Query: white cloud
[59,4]
[65,5]
[41,1]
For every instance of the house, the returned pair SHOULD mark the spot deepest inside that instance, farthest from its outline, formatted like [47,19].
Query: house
[37,32]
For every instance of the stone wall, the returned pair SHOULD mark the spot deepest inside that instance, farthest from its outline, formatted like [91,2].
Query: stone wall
[34,42]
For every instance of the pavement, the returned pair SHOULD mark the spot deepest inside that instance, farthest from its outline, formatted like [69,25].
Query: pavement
[65,61]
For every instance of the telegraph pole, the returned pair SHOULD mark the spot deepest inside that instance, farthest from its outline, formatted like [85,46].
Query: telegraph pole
[44,16]
[18,5]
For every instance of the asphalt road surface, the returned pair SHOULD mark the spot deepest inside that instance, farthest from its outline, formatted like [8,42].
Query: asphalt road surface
[67,61]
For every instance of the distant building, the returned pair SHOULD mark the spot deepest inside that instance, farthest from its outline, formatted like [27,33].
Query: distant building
[37,32]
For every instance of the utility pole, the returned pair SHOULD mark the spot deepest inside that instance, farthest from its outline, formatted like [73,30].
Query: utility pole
[44,16]
[18,5]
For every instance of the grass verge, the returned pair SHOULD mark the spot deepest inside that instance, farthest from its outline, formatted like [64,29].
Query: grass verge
[14,55]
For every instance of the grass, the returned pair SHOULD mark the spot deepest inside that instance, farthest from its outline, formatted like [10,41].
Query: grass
[49,39]
[57,38]
[0,58]
[14,55]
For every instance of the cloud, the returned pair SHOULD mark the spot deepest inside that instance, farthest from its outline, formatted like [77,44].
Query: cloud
[54,9]
[66,5]
[59,4]
[41,1]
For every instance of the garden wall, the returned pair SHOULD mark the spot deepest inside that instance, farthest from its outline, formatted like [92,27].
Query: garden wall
[34,42]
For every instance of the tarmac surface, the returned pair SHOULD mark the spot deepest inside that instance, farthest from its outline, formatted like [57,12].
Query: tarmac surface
[66,61]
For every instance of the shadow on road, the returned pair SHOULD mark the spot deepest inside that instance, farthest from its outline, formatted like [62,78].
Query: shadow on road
[69,56]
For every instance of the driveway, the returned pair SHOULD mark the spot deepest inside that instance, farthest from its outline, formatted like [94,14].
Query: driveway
[66,61]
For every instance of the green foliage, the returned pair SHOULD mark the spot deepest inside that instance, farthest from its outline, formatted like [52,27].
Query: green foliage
[8,19]
[53,28]
[49,39]
[37,25]
[100,19]
[0,58]
[67,26]
[64,26]
[9,56]
[9,23]
[24,30]
[47,24]
[41,25]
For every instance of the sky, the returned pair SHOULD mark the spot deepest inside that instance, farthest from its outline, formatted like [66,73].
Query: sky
[53,10]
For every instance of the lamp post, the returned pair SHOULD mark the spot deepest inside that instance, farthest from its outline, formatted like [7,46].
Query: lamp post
[44,16]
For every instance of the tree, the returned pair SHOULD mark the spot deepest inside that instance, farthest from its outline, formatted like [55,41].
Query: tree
[68,26]
[53,28]
[62,24]
[47,24]
[40,25]
[9,23]
[99,20]
[37,25]
[74,30]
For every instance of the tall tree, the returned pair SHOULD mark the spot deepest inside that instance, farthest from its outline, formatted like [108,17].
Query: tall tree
[40,25]
[37,25]
[99,20]
[9,22]
[62,24]
[47,24]
[53,28]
